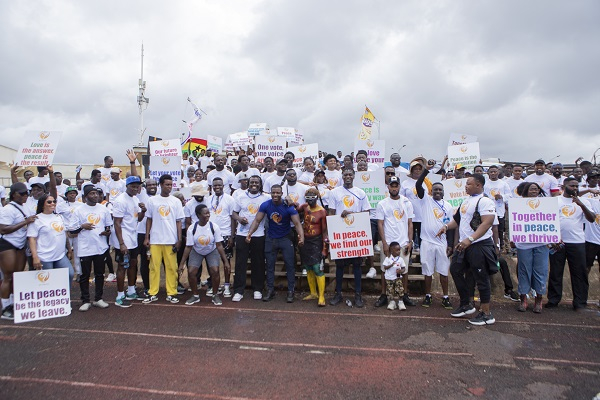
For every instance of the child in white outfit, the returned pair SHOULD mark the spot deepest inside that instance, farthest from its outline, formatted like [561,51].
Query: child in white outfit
[393,267]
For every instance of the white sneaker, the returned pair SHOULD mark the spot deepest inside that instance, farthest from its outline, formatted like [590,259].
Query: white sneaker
[209,292]
[100,304]
[85,307]
[227,292]
[391,305]
[372,272]
[377,248]
[304,272]
[401,305]
[237,297]
[257,295]
[111,278]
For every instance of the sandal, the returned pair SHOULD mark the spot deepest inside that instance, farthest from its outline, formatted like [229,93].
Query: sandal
[172,299]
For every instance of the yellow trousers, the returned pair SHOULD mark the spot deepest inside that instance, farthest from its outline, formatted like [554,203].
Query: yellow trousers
[163,253]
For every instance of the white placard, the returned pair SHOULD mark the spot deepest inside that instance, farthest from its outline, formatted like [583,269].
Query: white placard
[303,151]
[373,184]
[454,191]
[297,139]
[41,294]
[258,128]
[269,146]
[239,139]
[467,155]
[375,150]
[534,220]
[165,148]
[350,236]
[37,148]
[214,143]
[286,132]
[458,139]
[166,165]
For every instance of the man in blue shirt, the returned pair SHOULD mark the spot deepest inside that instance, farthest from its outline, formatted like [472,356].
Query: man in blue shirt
[279,215]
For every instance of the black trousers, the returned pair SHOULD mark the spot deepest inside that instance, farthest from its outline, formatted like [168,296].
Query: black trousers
[470,268]
[84,280]
[574,253]
[256,250]
[505,272]
[144,262]
[592,253]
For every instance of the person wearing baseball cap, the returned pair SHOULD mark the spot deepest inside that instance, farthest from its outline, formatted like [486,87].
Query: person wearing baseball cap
[67,209]
[278,178]
[115,185]
[548,183]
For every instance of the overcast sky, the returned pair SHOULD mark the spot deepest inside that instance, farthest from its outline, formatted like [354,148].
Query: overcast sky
[523,76]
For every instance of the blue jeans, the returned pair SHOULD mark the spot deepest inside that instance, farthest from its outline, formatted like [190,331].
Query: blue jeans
[62,263]
[289,259]
[533,269]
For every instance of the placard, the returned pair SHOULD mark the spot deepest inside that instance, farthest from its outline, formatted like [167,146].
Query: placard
[457,139]
[375,150]
[467,155]
[534,220]
[454,191]
[214,143]
[41,294]
[373,184]
[301,152]
[239,139]
[166,165]
[286,132]
[258,128]
[349,237]
[297,139]
[165,148]
[269,146]
[37,148]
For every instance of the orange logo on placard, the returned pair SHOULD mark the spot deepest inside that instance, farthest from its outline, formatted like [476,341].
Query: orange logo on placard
[362,136]
[165,143]
[458,183]
[57,226]
[203,240]
[438,213]
[398,214]
[253,208]
[349,219]
[464,137]
[44,135]
[302,149]
[370,143]
[348,201]
[93,218]
[332,181]
[533,203]
[165,160]
[464,149]
[366,177]
[567,211]
[276,217]
[164,210]
[271,139]
[43,276]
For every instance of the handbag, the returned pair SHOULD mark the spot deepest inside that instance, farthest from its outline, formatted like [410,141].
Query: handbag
[476,220]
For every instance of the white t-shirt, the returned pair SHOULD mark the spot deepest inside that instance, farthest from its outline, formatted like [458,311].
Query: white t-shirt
[126,207]
[67,210]
[270,181]
[228,178]
[512,185]
[353,199]
[203,240]
[324,193]
[492,188]
[250,172]
[2,193]
[10,215]
[296,192]
[247,206]
[205,162]
[61,189]
[38,179]
[467,208]
[164,212]
[409,190]
[391,274]
[189,211]
[306,176]
[49,229]
[592,230]
[89,242]
[221,209]
[266,175]
[31,205]
[395,215]
[105,172]
[572,219]
[115,188]
[143,198]
[548,183]
[334,178]
[434,215]
[100,185]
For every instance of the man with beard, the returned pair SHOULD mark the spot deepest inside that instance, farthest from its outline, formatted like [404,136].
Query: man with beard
[557,172]
[515,180]
[573,212]
[548,183]
[221,172]
[278,178]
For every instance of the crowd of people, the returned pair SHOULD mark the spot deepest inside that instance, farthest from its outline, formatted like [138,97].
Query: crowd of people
[242,209]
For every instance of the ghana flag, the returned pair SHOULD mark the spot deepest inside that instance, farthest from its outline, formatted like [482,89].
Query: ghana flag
[192,144]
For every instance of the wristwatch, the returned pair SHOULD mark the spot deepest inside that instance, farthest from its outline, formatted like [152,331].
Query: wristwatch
[471,239]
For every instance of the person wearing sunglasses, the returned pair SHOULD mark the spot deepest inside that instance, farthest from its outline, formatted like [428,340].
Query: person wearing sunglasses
[14,219]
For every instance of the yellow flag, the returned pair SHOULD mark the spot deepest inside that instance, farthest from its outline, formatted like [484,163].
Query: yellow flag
[366,125]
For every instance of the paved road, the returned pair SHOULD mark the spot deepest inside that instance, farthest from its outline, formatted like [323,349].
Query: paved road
[256,350]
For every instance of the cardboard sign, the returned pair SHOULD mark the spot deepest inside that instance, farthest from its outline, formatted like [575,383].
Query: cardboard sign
[467,155]
[37,148]
[239,139]
[457,139]
[297,139]
[165,148]
[349,237]
[41,294]
[301,152]
[269,146]
[286,132]
[375,150]
[534,220]
[454,191]
[373,184]
[258,128]
[214,143]
[166,165]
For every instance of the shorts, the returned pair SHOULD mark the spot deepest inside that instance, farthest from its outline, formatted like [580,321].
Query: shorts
[133,253]
[228,250]
[213,259]
[6,245]
[434,259]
